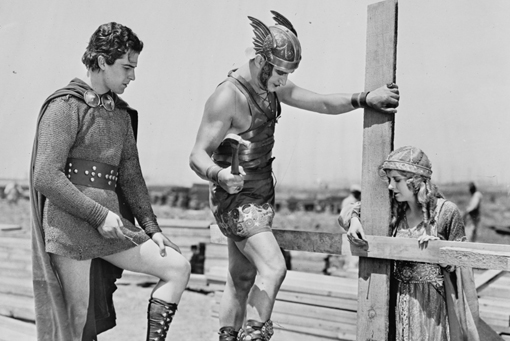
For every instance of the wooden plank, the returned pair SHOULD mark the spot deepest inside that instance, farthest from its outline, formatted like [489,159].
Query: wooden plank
[336,330]
[475,255]
[18,243]
[21,307]
[378,133]
[12,329]
[9,227]
[489,276]
[184,223]
[323,301]
[16,286]
[479,258]
[334,287]
[305,329]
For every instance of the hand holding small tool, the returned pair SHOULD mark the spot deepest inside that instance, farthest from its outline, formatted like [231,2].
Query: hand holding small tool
[233,182]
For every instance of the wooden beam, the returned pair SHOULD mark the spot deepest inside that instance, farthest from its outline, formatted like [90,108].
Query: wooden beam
[474,255]
[482,281]
[378,131]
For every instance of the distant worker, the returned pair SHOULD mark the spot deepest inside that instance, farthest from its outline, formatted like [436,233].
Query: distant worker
[354,197]
[13,193]
[197,260]
[473,211]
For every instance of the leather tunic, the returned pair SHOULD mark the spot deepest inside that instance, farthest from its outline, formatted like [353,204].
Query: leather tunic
[257,194]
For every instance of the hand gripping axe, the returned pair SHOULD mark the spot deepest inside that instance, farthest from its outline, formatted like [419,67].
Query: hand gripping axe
[235,141]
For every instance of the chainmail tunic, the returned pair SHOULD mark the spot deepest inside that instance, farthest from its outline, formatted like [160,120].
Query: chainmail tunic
[72,213]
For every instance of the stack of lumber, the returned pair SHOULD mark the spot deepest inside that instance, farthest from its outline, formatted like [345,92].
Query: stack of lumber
[308,307]
[315,307]
[183,233]
[494,300]
[216,256]
[16,293]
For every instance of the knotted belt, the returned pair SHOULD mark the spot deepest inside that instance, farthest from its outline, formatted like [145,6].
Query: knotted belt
[92,174]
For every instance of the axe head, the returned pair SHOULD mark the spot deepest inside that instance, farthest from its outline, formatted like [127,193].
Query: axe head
[236,140]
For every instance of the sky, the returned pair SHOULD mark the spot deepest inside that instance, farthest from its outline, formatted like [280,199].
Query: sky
[453,68]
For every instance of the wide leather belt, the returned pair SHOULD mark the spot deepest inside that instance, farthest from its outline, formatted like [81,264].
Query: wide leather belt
[92,173]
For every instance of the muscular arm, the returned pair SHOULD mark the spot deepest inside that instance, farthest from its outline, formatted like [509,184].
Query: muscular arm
[217,122]
[383,99]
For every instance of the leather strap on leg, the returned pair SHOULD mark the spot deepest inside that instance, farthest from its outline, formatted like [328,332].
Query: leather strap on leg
[228,334]
[256,330]
[159,317]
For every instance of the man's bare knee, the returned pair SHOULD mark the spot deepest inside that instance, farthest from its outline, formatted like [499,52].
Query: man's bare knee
[243,280]
[181,269]
[274,273]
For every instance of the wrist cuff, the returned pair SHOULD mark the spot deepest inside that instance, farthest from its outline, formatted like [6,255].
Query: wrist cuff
[150,226]
[212,173]
[359,100]
[363,99]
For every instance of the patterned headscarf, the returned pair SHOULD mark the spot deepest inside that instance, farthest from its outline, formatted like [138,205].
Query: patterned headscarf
[407,159]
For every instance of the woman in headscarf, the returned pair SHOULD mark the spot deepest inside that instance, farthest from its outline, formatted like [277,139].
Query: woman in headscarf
[432,301]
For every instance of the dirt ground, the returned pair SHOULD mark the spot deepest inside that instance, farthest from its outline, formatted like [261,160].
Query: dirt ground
[193,321]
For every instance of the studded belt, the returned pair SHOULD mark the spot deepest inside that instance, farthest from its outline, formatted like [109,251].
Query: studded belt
[92,174]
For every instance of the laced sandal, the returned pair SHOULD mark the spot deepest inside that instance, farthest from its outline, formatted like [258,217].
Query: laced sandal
[256,330]
[228,334]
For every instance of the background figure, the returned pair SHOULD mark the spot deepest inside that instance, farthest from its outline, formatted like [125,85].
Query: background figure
[353,197]
[13,192]
[233,150]
[473,214]
[197,258]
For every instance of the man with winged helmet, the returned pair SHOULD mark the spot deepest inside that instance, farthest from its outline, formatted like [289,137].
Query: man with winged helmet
[238,128]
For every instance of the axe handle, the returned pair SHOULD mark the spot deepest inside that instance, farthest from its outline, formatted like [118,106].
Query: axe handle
[235,160]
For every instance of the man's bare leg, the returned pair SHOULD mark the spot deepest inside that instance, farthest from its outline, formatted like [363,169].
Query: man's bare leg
[263,251]
[74,276]
[173,270]
[240,278]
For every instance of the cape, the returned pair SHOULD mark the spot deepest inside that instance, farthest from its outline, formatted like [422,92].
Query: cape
[51,316]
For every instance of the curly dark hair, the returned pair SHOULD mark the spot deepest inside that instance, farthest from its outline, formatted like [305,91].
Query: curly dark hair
[111,41]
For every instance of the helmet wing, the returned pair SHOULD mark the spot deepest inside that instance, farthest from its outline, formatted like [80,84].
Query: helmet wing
[281,20]
[261,41]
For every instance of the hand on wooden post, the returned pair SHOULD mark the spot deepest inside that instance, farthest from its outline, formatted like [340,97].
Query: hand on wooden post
[384,99]
[356,235]
[423,240]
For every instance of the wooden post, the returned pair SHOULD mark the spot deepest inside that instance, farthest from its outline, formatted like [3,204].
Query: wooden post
[378,131]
